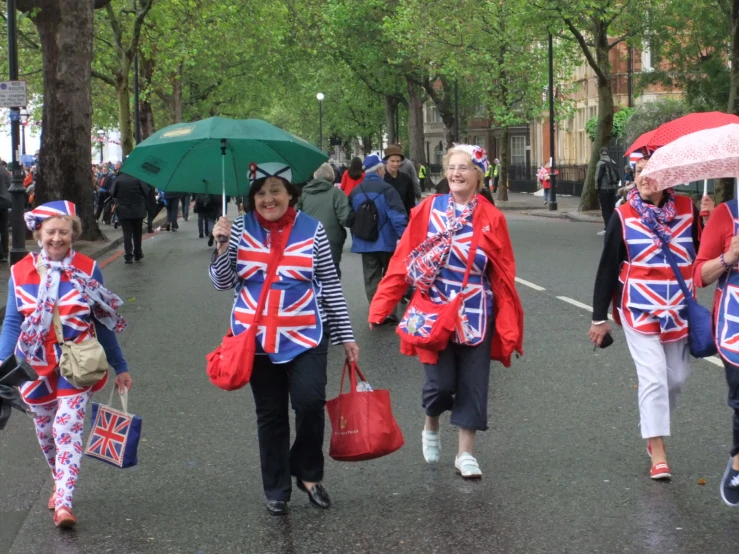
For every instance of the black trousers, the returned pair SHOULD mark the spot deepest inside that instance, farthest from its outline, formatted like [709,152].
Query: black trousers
[607,199]
[132,237]
[102,197]
[732,380]
[304,381]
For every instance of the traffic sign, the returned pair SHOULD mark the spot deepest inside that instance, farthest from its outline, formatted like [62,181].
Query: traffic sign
[13,94]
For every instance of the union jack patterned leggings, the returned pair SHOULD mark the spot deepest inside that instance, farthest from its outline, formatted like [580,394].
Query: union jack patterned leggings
[59,427]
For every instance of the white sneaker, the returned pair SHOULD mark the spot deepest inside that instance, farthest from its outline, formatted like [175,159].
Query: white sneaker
[431,446]
[467,466]
[601,233]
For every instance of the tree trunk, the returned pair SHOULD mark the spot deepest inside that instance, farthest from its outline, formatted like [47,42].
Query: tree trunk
[416,151]
[734,60]
[367,145]
[503,174]
[123,91]
[146,112]
[65,32]
[177,96]
[604,129]
[390,107]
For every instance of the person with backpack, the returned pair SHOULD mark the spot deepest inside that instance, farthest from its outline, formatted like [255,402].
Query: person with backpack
[606,183]
[379,221]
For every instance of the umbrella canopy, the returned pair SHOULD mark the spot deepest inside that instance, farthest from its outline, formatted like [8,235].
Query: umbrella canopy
[691,123]
[188,157]
[641,142]
[707,154]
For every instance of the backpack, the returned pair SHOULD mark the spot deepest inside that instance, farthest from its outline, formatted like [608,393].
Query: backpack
[366,219]
[612,174]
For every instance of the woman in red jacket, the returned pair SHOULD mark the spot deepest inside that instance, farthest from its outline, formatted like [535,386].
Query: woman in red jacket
[352,177]
[433,256]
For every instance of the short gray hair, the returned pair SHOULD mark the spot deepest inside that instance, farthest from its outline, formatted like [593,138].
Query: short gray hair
[325,172]
[379,167]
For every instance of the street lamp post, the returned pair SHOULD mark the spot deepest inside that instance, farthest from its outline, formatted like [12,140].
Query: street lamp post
[24,120]
[552,174]
[16,190]
[320,98]
[101,139]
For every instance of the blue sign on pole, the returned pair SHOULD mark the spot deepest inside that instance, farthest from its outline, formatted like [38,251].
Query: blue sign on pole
[15,116]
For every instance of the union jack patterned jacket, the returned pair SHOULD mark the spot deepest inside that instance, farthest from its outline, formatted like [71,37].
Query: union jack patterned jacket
[652,302]
[726,306]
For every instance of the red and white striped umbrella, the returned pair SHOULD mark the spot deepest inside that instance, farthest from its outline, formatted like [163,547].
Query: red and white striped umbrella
[707,154]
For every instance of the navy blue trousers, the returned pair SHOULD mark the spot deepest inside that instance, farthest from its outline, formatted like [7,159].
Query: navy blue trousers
[732,380]
[459,382]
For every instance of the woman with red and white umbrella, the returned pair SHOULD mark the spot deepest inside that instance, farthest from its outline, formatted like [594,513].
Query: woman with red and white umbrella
[634,274]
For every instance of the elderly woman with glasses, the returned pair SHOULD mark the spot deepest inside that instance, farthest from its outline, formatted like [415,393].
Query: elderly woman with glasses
[456,244]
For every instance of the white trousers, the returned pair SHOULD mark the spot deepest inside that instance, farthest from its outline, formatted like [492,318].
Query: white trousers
[662,370]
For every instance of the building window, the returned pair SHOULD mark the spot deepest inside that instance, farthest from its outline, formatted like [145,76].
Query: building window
[479,140]
[518,150]
[432,114]
[646,59]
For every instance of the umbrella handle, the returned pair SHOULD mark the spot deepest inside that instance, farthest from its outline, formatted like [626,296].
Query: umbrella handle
[705,213]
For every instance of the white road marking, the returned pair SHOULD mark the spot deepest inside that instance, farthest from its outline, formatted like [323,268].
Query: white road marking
[715,360]
[529,284]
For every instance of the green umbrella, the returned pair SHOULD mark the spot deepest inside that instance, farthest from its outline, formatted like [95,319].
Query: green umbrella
[190,157]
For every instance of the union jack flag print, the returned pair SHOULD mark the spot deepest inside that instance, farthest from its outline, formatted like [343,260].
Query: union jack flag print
[109,435]
[63,458]
[417,323]
[728,331]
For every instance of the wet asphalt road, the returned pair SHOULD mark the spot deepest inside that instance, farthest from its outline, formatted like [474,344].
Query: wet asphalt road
[565,469]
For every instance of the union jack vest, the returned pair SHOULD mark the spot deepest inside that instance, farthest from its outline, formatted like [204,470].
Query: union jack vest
[478,295]
[76,319]
[652,302]
[727,311]
[290,323]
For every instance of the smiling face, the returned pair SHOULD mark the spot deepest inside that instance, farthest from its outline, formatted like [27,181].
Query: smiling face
[646,190]
[393,164]
[462,175]
[56,237]
[272,200]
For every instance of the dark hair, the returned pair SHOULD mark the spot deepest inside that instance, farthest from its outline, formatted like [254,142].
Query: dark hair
[256,186]
[355,169]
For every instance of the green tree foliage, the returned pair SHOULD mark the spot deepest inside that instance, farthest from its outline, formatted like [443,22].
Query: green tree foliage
[619,124]
[651,115]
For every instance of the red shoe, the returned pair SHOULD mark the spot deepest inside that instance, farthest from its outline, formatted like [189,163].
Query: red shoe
[64,519]
[660,471]
[52,501]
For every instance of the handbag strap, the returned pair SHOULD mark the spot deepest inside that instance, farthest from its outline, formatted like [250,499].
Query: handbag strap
[676,270]
[270,277]
[353,370]
[472,253]
[123,396]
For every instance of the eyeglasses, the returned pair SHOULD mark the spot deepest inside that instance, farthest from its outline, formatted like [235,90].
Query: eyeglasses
[460,168]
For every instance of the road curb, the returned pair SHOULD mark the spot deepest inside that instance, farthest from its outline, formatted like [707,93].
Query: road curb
[566,215]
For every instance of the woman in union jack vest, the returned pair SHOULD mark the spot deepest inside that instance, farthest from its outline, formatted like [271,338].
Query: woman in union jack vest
[635,275]
[718,261]
[58,279]
[433,255]
[304,307]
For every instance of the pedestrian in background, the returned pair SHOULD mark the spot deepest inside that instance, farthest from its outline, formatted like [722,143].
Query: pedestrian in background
[37,285]
[173,206]
[323,201]
[398,179]
[718,261]
[496,174]
[422,178]
[433,255]
[606,183]
[5,205]
[409,168]
[635,275]
[207,206]
[353,176]
[390,225]
[130,195]
[295,365]
[186,199]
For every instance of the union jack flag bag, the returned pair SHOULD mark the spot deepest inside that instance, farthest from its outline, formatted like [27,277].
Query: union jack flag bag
[114,434]
[429,325]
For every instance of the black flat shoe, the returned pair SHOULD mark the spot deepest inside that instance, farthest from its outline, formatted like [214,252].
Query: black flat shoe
[277,507]
[317,494]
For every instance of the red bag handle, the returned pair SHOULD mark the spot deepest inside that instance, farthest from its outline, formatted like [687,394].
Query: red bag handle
[473,251]
[354,370]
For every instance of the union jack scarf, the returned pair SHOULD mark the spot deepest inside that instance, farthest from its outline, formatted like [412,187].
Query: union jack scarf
[654,217]
[424,263]
[103,303]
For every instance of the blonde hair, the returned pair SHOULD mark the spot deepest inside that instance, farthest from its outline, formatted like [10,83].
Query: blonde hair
[451,152]
[76,226]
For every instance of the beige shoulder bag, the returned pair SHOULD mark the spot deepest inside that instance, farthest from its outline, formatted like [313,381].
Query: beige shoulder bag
[83,364]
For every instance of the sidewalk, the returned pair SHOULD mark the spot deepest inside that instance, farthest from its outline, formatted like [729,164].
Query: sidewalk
[95,250]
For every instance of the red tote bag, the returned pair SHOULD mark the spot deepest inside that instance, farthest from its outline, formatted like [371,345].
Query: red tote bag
[362,423]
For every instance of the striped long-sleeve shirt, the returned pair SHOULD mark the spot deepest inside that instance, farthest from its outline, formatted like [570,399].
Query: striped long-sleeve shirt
[330,300]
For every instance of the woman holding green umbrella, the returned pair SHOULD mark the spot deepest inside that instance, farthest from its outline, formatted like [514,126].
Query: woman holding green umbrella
[304,300]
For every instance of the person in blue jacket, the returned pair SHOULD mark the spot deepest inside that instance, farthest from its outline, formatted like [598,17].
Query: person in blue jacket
[391,224]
